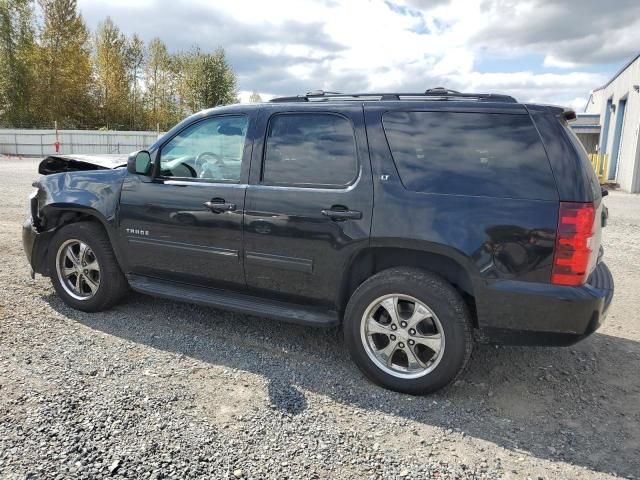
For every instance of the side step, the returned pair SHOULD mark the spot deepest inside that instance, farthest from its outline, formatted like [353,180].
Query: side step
[237,302]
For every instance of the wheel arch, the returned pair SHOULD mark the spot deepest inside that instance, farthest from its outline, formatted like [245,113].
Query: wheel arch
[372,260]
[55,216]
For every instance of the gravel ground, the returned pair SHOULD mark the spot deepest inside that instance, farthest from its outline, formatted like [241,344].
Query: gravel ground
[157,389]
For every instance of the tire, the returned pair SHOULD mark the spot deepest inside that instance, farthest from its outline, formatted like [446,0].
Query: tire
[102,284]
[442,340]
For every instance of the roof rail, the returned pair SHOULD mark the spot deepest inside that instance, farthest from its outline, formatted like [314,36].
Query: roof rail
[438,93]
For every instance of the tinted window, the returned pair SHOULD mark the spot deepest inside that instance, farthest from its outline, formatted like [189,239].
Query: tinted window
[210,149]
[310,149]
[594,184]
[481,154]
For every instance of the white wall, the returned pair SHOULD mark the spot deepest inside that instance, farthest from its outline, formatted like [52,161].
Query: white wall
[41,142]
[628,170]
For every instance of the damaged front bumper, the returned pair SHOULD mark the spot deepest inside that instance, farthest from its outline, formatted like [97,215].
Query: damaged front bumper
[35,245]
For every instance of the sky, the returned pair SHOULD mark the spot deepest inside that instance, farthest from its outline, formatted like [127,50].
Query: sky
[549,51]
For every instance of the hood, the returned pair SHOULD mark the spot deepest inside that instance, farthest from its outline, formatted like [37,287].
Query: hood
[73,163]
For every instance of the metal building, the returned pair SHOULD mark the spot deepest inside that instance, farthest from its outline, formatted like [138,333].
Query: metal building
[617,103]
[587,128]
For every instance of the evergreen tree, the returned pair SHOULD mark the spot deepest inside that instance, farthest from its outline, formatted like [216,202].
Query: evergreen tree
[17,47]
[63,67]
[112,77]
[49,72]
[135,59]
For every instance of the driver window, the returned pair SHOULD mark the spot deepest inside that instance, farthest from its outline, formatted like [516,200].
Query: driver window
[210,149]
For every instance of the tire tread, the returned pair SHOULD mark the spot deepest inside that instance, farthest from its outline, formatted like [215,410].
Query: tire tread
[117,282]
[427,281]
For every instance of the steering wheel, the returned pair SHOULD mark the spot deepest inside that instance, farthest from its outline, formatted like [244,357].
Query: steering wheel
[192,171]
[211,169]
[201,158]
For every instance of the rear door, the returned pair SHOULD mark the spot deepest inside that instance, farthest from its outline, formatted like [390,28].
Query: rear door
[309,201]
[186,224]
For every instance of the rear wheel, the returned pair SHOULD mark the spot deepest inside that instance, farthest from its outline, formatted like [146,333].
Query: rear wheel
[408,330]
[83,268]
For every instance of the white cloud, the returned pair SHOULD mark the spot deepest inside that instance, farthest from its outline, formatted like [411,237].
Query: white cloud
[554,62]
[292,46]
[578,104]
[577,31]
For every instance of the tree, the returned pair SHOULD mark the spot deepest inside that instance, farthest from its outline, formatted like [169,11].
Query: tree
[207,80]
[17,47]
[112,76]
[49,70]
[161,81]
[255,98]
[63,66]
[135,58]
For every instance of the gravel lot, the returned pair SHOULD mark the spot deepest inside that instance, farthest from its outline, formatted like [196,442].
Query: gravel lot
[157,389]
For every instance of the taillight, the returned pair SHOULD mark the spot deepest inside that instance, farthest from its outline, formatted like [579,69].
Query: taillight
[573,243]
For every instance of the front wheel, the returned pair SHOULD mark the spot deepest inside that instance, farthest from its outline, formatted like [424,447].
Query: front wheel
[83,268]
[408,330]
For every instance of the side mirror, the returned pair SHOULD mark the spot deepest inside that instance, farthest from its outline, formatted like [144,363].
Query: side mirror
[139,163]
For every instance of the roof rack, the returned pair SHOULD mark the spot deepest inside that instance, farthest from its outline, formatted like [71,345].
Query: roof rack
[438,93]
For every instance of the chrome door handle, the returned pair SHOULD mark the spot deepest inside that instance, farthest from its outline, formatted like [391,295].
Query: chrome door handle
[220,206]
[342,214]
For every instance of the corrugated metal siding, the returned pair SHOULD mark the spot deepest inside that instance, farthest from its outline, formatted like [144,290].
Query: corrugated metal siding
[589,140]
[621,87]
[42,142]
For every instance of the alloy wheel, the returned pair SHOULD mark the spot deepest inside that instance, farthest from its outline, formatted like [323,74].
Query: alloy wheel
[78,269]
[402,336]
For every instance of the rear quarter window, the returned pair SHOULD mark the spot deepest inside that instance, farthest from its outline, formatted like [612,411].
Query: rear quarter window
[479,154]
[592,179]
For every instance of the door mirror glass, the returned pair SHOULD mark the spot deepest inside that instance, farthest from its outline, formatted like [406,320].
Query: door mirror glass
[139,163]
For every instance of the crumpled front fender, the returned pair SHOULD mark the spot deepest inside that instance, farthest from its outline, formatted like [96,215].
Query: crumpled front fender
[64,198]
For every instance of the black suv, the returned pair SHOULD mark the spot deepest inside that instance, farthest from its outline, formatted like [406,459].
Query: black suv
[420,222]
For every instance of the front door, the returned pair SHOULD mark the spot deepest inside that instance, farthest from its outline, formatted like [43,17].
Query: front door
[309,202]
[186,223]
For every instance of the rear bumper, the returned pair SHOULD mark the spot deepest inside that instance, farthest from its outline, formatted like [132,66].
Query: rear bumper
[524,313]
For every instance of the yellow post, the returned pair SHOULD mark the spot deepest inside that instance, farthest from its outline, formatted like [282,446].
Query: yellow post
[595,163]
[600,165]
[605,169]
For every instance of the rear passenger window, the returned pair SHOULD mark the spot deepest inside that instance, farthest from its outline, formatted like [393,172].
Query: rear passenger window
[310,149]
[483,154]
